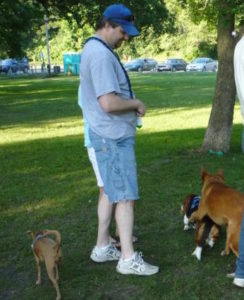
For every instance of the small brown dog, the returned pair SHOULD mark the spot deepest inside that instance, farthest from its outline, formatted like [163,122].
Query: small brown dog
[207,231]
[224,205]
[48,250]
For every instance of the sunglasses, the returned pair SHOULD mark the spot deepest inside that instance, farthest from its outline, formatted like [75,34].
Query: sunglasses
[126,18]
[129,18]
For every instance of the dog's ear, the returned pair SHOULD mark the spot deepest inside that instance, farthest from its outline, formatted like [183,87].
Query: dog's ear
[30,233]
[203,173]
[221,173]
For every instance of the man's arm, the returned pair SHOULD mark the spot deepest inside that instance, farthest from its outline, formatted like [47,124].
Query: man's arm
[114,103]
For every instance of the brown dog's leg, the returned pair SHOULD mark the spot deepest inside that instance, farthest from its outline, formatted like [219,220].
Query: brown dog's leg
[50,265]
[197,215]
[230,244]
[234,239]
[234,248]
[38,270]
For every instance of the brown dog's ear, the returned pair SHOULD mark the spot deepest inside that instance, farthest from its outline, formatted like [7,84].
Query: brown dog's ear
[221,173]
[30,233]
[203,173]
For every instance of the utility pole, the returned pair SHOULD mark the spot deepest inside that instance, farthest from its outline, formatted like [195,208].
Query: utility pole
[47,42]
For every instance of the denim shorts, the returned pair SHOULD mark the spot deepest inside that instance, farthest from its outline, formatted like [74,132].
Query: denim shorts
[117,166]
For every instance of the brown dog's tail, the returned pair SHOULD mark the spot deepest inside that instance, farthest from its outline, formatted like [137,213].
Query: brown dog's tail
[56,234]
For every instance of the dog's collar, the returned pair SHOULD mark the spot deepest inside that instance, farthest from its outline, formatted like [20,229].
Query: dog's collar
[194,203]
[37,238]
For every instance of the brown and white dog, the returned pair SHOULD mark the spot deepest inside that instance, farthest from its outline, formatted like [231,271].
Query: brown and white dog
[224,205]
[207,231]
[47,250]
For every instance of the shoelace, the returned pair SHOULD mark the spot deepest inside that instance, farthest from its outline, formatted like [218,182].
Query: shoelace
[139,258]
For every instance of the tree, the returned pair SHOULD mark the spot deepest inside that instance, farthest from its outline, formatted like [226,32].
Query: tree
[147,13]
[224,13]
[19,20]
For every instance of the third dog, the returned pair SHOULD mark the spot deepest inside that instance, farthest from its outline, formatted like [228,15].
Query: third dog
[207,231]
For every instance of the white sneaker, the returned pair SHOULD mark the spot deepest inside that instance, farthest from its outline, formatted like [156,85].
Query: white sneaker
[108,253]
[136,266]
[239,282]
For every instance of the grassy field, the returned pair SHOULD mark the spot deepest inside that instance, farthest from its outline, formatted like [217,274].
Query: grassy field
[46,181]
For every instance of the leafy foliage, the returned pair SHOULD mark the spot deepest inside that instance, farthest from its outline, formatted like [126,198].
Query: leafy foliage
[146,12]
[19,21]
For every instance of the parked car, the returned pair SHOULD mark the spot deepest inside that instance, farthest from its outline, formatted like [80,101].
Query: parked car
[141,64]
[172,64]
[23,65]
[14,65]
[203,64]
[9,64]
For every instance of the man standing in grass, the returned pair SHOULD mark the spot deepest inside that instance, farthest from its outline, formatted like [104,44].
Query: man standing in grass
[239,80]
[111,110]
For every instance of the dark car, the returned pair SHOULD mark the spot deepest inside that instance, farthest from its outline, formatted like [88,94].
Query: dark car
[13,65]
[9,65]
[141,64]
[172,64]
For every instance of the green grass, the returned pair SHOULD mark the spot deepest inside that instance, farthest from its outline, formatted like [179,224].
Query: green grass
[46,181]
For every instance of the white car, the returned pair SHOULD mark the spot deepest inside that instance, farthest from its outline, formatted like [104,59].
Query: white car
[203,64]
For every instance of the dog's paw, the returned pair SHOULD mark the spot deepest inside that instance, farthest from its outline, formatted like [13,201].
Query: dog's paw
[38,282]
[187,227]
[186,220]
[224,252]
[197,252]
[210,242]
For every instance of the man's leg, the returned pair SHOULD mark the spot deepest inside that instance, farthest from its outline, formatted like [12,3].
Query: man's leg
[130,262]
[134,238]
[239,273]
[104,212]
[104,250]
[124,215]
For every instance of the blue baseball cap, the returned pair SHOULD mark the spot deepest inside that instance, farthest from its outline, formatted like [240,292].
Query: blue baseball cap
[122,16]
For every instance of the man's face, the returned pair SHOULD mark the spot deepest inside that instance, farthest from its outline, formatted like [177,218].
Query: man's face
[116,37]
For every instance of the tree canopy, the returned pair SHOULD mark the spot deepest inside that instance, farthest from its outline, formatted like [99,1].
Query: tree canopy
[21,20]
[147,13]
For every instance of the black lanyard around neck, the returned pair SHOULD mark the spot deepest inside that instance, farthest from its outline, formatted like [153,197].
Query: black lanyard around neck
[126,75]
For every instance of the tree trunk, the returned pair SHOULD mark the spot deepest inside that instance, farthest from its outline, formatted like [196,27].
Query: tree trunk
[218,134]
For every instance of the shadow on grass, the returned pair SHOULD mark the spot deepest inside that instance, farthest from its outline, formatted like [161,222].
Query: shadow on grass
[47,169]
[50,184]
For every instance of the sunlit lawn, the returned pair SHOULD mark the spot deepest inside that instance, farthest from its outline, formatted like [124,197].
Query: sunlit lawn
[46,181]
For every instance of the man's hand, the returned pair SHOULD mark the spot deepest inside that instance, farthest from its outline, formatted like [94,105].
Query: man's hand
[141,108]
